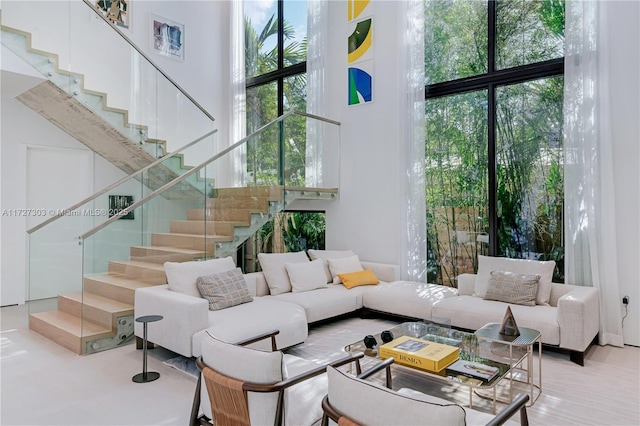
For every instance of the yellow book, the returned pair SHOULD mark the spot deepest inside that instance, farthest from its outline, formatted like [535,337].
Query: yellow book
[419,353]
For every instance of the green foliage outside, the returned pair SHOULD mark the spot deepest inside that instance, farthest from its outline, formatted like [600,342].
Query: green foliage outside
[529,119]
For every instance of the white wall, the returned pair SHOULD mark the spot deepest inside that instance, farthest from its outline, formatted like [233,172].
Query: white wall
[624,21]
[368,216]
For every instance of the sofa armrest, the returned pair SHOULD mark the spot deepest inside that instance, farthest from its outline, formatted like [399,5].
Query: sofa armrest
[183,315]
[383,271]
[466,284]
[578,317]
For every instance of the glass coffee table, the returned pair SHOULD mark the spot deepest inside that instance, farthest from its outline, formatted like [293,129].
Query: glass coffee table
[471,348]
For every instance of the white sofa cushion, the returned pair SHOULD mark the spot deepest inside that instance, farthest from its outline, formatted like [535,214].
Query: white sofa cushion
[371,404]
[328,254]
[261,315]
[306,276]
[324,303]
[344,265]
[407,298]
[471,313]
[274,269]
[487,264]
[182,276]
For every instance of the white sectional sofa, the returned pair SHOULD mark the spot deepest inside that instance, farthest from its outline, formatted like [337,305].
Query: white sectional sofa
[290,293]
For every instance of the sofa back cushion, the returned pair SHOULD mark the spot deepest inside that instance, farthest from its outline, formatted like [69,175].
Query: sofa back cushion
[344,265]
[182,276]
[275,271]
[488,264]
[371,404]
[306,276]
[328,254]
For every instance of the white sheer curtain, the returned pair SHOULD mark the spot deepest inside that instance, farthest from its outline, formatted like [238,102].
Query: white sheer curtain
[317,34]
[590,241]
[237,125]
[412,112]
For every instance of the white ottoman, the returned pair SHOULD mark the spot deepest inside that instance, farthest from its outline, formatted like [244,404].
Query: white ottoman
[406,298]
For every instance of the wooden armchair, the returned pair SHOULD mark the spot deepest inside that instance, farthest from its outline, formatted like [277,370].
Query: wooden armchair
[245,386]
[352,401]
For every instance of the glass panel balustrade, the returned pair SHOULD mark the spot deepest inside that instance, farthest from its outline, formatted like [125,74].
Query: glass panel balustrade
[130,100]
[208,212]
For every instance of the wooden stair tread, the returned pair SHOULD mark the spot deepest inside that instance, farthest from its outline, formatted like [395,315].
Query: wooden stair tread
[73,325]
[172,249]
[100,302]
[117,280]
[209,237]
[222,222]
[139,263]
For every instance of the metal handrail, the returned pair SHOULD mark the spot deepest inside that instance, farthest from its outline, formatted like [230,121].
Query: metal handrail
[197,168]
[113,185]
[177,86]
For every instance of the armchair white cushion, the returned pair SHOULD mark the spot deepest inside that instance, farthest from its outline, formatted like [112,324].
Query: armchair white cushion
[302,402]
[368,403]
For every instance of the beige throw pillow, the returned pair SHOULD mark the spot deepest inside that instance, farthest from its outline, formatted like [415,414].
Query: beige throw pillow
[344,266]
[513,288]
[328,254]
[224,290]
[306,276]
[487,264]
[275,271]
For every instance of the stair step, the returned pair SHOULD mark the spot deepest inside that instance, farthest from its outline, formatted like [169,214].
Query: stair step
[254,203]
[200,226]
[272,193]
[147,272]
[95,308]
[113,287]
[67,330]
[188,241]
[229,215]
[160,254]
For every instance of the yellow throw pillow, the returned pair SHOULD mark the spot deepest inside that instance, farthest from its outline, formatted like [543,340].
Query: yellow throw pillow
[354,279]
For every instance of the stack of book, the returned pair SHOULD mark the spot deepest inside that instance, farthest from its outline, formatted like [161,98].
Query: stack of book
[418,353]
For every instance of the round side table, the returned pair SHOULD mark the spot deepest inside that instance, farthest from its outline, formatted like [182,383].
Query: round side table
[145,376]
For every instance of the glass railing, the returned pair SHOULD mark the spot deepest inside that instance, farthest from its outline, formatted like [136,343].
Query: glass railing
[211,210]
[54,248]
[95,66]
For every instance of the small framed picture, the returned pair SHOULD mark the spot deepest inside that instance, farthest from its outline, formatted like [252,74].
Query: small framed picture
[117,203]
[167,37]
[116,11]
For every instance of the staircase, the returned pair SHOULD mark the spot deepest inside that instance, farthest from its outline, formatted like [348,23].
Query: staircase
[80,112]
[101,316]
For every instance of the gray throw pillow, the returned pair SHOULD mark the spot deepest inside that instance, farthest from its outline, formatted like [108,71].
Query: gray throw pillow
[519,289]
[224,290]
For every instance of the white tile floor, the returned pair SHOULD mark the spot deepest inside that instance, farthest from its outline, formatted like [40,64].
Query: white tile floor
[45,384]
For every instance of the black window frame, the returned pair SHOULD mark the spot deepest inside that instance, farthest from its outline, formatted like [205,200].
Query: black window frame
[282,72]
[490,81]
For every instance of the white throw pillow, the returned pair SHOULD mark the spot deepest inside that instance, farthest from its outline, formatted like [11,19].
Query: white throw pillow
[306,276]
[182,276]
[344,266]
[488,264]
[328,254]
[275,272]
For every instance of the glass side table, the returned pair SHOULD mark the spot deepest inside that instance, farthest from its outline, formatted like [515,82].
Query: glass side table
[514,345]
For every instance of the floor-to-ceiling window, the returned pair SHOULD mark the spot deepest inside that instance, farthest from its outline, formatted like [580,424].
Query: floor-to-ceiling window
[493,140]
[275,65]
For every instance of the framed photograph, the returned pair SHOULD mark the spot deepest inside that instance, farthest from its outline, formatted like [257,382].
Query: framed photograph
[117,203]
[116,11]
[167,38]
